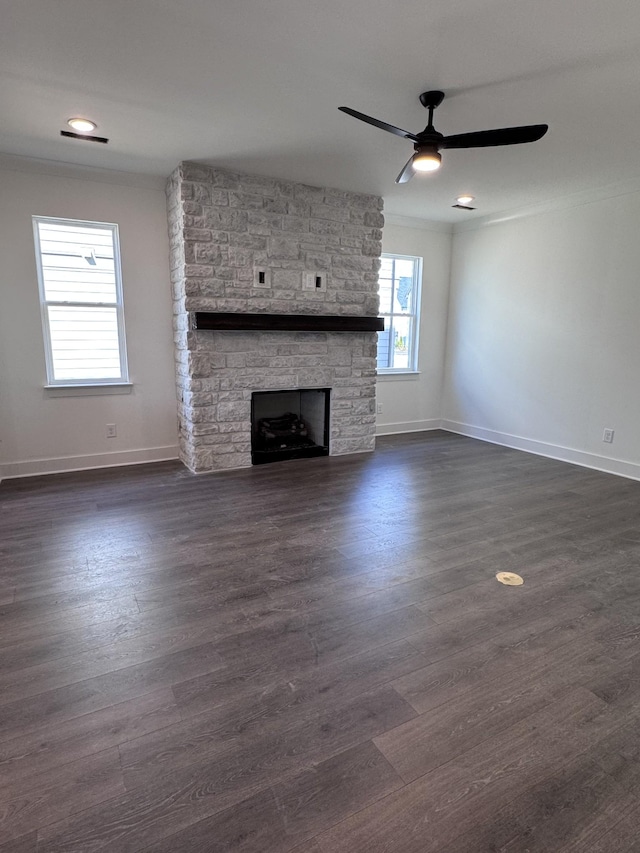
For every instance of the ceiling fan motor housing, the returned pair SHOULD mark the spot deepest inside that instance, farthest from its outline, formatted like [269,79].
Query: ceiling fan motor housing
[428,142]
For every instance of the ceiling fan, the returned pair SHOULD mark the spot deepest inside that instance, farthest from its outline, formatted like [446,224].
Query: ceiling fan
[428,142]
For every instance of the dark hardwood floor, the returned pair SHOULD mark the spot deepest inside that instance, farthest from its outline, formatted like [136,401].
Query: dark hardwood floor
[315,656]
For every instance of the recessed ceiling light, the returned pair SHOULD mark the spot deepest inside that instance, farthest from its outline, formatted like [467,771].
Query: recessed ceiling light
[465,199]
[82,125]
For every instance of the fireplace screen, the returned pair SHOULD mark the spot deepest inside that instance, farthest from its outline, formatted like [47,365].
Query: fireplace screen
[289,424]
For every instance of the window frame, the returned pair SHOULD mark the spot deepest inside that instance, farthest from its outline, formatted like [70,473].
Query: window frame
[86,382]
[414,315]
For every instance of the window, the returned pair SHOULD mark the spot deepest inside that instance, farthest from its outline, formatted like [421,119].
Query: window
[399,291]
[81,299]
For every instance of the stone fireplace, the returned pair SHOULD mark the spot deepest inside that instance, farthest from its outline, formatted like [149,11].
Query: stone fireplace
[244,245]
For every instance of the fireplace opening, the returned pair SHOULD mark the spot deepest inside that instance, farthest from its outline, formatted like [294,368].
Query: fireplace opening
[289,424]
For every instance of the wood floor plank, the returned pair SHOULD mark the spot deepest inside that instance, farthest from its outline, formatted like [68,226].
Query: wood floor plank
[448,679]
[7,594]
[24,625]
[263,734]
[341,680]
[619,686]
[94,694]
[619,756]
[55,744]
[108,658]
[293,644]
[308,847]
[75,641]
[608,833]
[212,774]
[570,805]
[438,807]
[40,800]
[25,844]
[291,812]
[512,646]
[451,729]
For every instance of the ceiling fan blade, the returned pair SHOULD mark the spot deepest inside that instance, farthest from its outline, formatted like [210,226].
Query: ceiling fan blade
[502,136]
[407,172]
[381,124]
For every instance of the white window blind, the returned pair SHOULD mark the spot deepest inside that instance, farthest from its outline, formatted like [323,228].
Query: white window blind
[81,299]
[399,290]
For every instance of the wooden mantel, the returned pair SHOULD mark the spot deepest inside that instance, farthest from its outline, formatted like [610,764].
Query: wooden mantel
[211,320]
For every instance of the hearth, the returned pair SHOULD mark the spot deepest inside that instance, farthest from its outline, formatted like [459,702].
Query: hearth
[290,424]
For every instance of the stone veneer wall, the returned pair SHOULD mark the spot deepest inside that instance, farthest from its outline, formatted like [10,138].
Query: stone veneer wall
[222,226]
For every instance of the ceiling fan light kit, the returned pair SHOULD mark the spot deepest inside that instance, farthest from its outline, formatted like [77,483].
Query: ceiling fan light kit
[427,143]
[426,160]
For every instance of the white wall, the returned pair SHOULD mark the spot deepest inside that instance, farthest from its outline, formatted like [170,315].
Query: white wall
[41,433]
[413,402]
[543,346]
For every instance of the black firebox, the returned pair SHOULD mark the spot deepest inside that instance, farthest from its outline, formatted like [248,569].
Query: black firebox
[289,424]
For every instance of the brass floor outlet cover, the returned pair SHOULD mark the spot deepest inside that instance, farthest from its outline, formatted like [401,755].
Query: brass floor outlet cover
[509,578]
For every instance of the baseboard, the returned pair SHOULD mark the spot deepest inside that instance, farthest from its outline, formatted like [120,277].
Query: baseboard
[551,451]
[408,426]
[35,467]
[60,465]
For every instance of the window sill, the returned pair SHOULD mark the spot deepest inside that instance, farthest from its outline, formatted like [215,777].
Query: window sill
[403,375]
[88,390]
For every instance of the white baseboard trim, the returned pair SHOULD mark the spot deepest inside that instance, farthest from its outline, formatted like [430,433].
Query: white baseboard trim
[408,426]
[551,451]
[60,465]
[37,467]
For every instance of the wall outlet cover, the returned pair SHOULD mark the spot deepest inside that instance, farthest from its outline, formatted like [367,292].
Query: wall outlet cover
[261,277]
[314,280]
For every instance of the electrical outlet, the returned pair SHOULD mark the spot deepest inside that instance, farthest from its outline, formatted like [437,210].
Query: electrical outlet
[379,408]
[112,432]
[314,281]
[607,436]
[261,277]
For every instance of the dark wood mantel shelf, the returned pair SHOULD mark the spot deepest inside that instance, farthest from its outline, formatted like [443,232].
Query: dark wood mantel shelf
[286,322]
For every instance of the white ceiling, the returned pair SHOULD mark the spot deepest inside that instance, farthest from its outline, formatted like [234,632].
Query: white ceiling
[255,86]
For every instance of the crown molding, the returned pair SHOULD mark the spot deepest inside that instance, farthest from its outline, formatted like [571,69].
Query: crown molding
[57,169]
[419,224]
[568,202]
